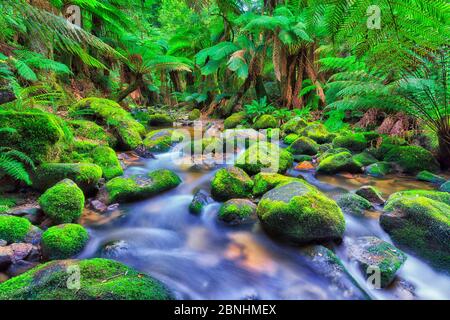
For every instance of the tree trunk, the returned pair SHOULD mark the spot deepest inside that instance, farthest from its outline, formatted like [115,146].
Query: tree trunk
[444,143]
[297,102]
[175,78]
[131,88]
[6,96]
[313,75]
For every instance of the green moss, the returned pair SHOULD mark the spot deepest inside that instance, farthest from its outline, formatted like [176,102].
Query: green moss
[265,156]
[412,159]
[127,130]
[159,119]
[63,203]
[84,146]
[39,134]
[264,182]
[135,188]
[85,175]
[229,183]
[106,158]
[294,125]
[265,121]
[234,120]
[303,145]
[341,162]
[354,142]
[430,177]
[298,212]
[371,136]
[200,200]
[302,157]
[290,138]
[318,132]
[379,169]
[364,158]
[101,279]
[92,132]
[13,229]
[236,211]
[420,225]
[159,140]
[64,241]
[433,195]
[445,187]
[329,152]
[353,204]
[371,193]
[194,115]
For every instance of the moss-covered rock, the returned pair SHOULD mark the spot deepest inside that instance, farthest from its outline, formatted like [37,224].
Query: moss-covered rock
[101,279]
[231,182]
[85,175]
[14,229]
[159,119]
[106,158]
[127,130]
[303,145]
[64,241]
[329,152]
[445,187]
[430,194]
[237,211]
[264,156]
[159,140]
[341,162]
[318,132]
[372,252]
[371,136]
[298,212]
[365,158]
[291,137]
[200,200]
[265,121]
[378,169]
[63,203]
[353,204]
[194,115]
[420,225]
[430,177]
[302,157]
[38,134]
[371,193]
[412,159]
[354,142]
[92,132]
[264,182]
[294,125]
[140,187]
[234,120]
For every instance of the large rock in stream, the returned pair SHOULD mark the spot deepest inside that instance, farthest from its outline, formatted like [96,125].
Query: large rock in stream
[298,212]
[231,182]
[100,279]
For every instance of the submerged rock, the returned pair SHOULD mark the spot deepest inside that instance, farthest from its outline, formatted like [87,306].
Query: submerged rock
[231,182]
[200,200]
[237,211]
[100,279]
[430,177]
[372,194]
[298,212]
[341,162]
[372,253]
[353,204]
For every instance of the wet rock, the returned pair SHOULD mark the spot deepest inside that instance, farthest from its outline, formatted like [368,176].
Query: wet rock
[412,159]
[365,158]
[20,267]
[372,252]
[341,162]
[353,204]
[371,194]
[143,152]
[238,211]
[298,212]
[304,145]
[98,205]
[15,253]
[159,140]
[200,200]
[115,249]
[326,264]
[231,182]
[33,236]
[3,243]
[430,177]
[379,169]
[354,142]
[445,187]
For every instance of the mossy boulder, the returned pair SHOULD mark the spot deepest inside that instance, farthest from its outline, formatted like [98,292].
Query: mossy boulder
[354,142]
[64,241]
[412,159]
[159,140]
[353,204]
[38,134]
[420,225]
[330,152]
[372,252]
[140,187]
[14,229]
[371,194]
[294,125]
[302,157]
[303,145]
[365,158]
[63,203]
[200,200]
[106,158]
[430,177]
[160,120]
[85,175]
[194,115]
[264,156]
[237,211]
[290,138]
[298,212]
[265,121]
[234,120]
[318,132]
[126,129]
[341,162]
[378,169]
[89,130]
[445,187]
[430,194]
[100,279]
[264,182]
[231,182]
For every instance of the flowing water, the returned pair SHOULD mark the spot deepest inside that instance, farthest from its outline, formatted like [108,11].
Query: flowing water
[198,257]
